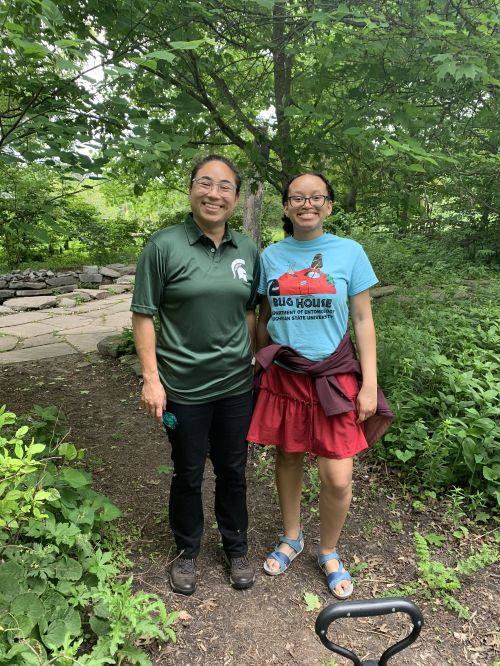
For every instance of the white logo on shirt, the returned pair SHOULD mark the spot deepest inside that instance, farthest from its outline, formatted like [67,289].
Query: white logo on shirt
[238,270]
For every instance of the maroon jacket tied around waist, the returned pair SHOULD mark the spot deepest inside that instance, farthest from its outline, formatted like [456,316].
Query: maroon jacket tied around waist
[332,399]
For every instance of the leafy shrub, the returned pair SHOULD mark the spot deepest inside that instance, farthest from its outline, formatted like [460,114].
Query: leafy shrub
[55,570]
[439,368]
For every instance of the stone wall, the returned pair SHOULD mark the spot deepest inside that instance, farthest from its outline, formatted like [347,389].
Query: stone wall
[28,284]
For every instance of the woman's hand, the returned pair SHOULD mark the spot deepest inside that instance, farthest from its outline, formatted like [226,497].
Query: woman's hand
[154,398]
[366,403]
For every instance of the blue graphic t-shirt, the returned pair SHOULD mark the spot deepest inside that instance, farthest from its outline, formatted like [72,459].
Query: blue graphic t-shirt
[308,284]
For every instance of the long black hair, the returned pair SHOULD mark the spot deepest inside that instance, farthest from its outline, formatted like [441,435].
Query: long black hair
[216,158]
[287,223]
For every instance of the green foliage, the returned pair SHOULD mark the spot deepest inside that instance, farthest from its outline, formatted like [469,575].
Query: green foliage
[396,101]
[438,580]
[438,365]
[311,601]
[55,569]
[42,215]
[127,342]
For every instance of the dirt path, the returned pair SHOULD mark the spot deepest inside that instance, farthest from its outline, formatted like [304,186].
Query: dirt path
[268,624]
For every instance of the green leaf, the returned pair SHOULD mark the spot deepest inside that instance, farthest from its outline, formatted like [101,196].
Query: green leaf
[68,450]
[51,12]
[492,473]
[187,46]
[417,167]
[135,655]
[33,449]
[11,576]
[105,509]
[99,626]
[75,477]
[27,610]
[160,55]
[311,601]
[404,456]
[73,622]
[68,569]
[56,634]
[435,539]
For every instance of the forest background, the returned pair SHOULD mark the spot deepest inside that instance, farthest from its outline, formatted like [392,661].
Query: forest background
[104,105]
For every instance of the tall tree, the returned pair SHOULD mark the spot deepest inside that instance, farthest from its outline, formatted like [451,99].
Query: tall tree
[388,97]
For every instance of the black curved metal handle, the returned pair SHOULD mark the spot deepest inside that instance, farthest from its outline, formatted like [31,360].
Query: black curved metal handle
[369,608]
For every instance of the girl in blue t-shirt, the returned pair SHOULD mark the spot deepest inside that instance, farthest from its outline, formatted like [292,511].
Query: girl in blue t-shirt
[310,282]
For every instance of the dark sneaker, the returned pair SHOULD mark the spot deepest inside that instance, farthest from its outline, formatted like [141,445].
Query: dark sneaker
[183,576]
[242,572]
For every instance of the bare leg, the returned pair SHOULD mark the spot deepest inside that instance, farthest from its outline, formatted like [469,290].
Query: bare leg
[334,501]
[289,475]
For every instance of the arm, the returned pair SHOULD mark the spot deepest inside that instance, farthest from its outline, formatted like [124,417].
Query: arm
[264,316]
[153,394]
[364,331]
[262,337]
[250,316]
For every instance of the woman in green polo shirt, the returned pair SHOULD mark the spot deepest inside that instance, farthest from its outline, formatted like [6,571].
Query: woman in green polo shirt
[200,278]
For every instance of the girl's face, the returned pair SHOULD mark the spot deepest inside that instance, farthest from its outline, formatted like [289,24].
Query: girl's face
[307,216]
[213,195]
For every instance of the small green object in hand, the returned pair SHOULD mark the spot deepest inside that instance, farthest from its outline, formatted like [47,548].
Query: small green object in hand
[169,420]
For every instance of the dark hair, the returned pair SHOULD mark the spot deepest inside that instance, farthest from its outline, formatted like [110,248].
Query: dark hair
[216,158]
[287,223]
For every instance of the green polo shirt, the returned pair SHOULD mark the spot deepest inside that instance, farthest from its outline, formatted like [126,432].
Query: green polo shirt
[201,294]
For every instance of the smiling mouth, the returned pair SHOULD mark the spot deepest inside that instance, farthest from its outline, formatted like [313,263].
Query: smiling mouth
[211,206]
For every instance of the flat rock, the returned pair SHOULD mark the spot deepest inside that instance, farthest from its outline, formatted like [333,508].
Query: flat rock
[39,341]
[31,303]
[65,289]
[82,296]
[61,280]
[67,302]
[109,346]
[7,342]
[36,353]
[90,269]
[126,279]
[123,269]
[96,294]
[33,292]
[27,285]
[90,277]
[109,272]
[4,310]
[379,292]
[115,288]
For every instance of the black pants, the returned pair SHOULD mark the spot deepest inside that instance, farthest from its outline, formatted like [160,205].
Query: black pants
[217,429]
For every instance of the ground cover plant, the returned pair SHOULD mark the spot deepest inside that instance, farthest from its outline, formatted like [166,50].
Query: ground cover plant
[438,363]
[61,601]
[128,456]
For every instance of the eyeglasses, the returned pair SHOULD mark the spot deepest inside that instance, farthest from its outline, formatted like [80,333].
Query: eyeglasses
[207,184]
[317,200]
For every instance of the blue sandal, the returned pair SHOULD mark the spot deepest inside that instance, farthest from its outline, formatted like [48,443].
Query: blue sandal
[336,577]
[284,561]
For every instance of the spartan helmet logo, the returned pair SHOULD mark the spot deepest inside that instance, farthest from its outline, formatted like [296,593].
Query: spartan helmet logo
[238,268]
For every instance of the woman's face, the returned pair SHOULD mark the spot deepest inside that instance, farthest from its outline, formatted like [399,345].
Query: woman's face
[307,218]
[213,204]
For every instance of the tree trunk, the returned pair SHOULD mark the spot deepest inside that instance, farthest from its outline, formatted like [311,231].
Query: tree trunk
[252,210]
[282,70]
[352,197]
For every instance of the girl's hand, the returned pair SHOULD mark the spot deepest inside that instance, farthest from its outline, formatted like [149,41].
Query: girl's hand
[366,403]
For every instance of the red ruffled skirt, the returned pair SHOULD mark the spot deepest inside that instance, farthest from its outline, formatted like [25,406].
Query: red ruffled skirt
[288,414]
